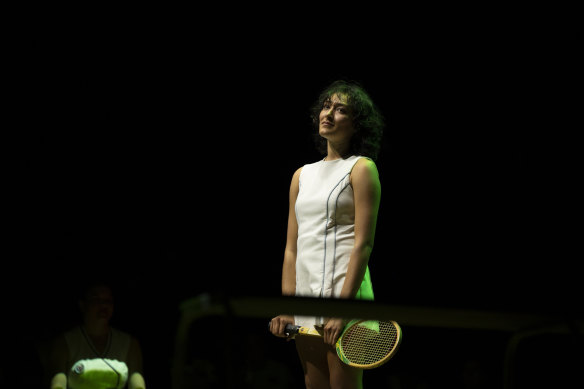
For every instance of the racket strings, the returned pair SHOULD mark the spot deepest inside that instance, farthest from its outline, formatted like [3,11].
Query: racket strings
[369,342]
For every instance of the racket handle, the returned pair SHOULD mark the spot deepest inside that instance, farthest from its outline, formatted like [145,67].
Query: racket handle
[290,329]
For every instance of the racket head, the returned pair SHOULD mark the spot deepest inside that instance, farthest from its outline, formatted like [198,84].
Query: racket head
[367,344]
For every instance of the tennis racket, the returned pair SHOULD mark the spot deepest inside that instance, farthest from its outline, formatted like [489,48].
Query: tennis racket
[365,344]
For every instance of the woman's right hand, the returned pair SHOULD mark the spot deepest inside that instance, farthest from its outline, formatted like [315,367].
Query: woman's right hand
[278,325]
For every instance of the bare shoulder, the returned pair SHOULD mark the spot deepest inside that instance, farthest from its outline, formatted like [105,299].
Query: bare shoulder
[365,169]
[297,173]
[296,176]
[135,345]
[58,355]
[59,344]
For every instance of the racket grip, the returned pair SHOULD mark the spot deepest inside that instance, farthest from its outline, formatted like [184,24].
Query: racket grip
[290,329]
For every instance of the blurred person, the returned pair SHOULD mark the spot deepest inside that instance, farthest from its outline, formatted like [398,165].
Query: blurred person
[95,343]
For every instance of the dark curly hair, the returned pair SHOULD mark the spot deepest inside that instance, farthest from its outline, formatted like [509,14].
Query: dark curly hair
[367,119]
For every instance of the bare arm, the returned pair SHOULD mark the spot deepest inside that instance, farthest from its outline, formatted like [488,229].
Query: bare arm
[136,380]
[289,266]
[59,355]
[367,193]
[278,324]
[367,196]
[59,381]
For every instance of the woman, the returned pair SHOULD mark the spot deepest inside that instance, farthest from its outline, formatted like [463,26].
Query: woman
[329,260]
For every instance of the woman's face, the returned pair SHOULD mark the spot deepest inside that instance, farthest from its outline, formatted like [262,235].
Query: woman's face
[335,119]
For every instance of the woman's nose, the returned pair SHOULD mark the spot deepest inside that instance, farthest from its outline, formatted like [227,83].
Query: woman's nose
[329,114]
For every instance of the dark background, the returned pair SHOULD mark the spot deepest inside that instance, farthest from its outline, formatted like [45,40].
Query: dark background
[160,154]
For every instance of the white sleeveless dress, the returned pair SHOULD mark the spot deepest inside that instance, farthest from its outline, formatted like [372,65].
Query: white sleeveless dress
[325,211]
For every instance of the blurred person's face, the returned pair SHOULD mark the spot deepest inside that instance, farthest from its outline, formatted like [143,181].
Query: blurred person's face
[98,304]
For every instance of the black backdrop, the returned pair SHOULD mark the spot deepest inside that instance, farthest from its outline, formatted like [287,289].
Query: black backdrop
[163,160]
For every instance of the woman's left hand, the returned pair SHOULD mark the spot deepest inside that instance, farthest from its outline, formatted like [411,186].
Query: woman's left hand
[332,330]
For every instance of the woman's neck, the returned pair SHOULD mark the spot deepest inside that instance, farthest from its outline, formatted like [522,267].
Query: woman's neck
[336,151]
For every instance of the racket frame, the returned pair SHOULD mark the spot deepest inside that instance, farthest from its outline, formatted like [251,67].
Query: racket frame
[292,331]
[341,354]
